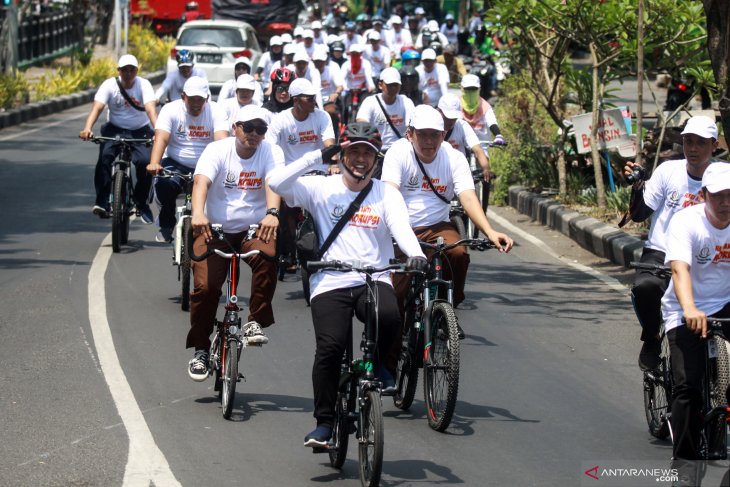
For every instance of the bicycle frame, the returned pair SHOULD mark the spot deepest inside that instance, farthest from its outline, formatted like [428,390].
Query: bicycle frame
[183,213]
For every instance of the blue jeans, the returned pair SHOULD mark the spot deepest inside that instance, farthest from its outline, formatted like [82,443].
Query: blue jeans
[167,190]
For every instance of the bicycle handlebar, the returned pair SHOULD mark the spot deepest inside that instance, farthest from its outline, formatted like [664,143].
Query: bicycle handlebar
[171,173]
[336,265]
[714,327]
[476,243]
[657,270]
[220,235]
[100,138]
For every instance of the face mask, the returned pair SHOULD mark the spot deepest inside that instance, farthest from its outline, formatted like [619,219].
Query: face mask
[470,100]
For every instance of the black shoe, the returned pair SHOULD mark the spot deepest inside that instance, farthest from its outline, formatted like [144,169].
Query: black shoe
[145,213]
[649,356]
[462,335]
[319,437]
[101,212]
[386,378]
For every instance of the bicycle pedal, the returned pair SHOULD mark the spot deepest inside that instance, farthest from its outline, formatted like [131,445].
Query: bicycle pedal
[320,449]
[241,376]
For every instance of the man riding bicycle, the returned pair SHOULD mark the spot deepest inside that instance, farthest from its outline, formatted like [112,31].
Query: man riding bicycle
[131,104]
[174,82]
[336,297]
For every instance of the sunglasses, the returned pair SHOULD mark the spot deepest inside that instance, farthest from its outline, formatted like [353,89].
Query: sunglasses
[308,98]
[281,89]
[249,127]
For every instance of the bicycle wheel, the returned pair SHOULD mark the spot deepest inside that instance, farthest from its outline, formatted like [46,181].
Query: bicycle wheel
[343,425]
[215,362]
[717,430]
[458,222]
[119,210]
[441,371]
[657,395]
[371,439]
[229,376]
[185,266]
[406,373]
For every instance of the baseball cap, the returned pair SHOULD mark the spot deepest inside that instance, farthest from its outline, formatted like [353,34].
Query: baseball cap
[355,48]
[319,55]
[301,86]
[316,24]
[395,19]
[286,38]
[426,117]
[244,60]
[275,41]
[300,56]
[127,60]
[433,26]
[428,54]
[703,126]
[419,11]
[390,75]
[374,36]
[308,34]
[196,86]
[250,112]
[450,105]
[298,31]
[290,49]
[449,17]
[470,81]
[716,177]
[245,82]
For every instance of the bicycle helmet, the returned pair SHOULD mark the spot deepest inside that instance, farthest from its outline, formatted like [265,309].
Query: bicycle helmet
[283,75]
[362,18]
[436,46]
[350,25]
[362,133]
[411,55]
[184,58]
[337,46]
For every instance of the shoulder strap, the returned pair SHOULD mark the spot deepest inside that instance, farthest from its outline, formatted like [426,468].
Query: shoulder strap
[392,126]
[127,97]
[428,179]
[354,206]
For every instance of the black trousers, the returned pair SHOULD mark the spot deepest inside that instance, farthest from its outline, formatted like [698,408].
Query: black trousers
[332,314]
[688,370]
[647,294]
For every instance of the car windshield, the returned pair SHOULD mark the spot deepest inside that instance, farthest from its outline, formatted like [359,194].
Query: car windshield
[212,36]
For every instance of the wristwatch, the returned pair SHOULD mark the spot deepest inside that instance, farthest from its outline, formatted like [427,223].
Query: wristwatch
[273,211]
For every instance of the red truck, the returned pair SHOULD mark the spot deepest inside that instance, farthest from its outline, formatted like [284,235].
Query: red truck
[166,16]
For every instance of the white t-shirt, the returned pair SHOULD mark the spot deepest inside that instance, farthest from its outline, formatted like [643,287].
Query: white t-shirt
[265,64]
[189,135]
[396,40]
[379,60]
[449,173]
[120,112]
[330,80]
[450,33]
[434,84]
[174,83]
[356,39]
[462,137]
[228,90]
[297,138]
[692,239]
[399,113]
[237,195]
[366,238]
[311,74]
[669,189]
[361,80]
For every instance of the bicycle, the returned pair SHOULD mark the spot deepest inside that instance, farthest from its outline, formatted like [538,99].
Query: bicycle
[359,406]
[183,228]
[430,339]
[122,187]
[228,341]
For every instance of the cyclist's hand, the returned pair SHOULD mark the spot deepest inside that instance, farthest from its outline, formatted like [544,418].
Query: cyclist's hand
[328,154]
[267,228]
[696,321]
[629,168]
[486,174]
[499,140]
[417,264]
[86,134]
[333,97]
[333,169]
[154,168]
[501,241]
[201,226]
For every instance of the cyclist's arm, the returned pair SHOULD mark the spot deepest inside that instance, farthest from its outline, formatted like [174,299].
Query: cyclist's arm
[96,110]
[199,221]
[396,218]
[270,223]
[162,138]
[695,318]
[474,211]
[151,109]
[220,135]
[283,180]
[482,159]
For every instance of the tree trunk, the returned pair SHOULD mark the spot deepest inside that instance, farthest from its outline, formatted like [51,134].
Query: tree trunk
[718,46]
[639,140]
[597,161]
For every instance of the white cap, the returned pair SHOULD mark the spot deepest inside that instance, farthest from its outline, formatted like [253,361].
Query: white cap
[703,126]
[308,34]
[426,117]
[290,49]
[286,38]
[395,19]
[433,26]
[428,54]
[390,75]
[127,60]
[245,82]
[196,86]
[449,17]
[450,106]
[470,81]
[300,56]
[355,48]
[332,38]
[299,30]
[250,112]
[419,11]
[374,36]
[316,24]
[301,86]
[245,60]
[275,41]
[319,54]
[716,177]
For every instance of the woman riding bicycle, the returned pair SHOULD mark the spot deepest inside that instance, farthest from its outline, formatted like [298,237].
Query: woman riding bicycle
[337,296]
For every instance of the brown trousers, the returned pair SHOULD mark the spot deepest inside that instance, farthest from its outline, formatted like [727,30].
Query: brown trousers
[210,274]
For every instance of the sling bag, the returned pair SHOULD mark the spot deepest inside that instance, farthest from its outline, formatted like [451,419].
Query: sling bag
[126,96]
[428,179]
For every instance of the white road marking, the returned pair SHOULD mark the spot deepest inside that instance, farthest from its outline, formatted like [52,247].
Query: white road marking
[146,465]
[609,281]
[43,127]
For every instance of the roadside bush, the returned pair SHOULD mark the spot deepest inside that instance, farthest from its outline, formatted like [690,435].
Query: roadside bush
[151,51]
[67,80]
[14,90]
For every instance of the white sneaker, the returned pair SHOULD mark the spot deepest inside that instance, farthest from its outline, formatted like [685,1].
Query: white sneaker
[254,334]
[198,366]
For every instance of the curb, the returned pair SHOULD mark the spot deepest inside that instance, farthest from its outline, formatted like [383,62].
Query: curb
[603,240]
[39,109]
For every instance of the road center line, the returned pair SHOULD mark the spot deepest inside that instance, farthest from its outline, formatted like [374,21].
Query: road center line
[609,281]
[146,465]
[43,127]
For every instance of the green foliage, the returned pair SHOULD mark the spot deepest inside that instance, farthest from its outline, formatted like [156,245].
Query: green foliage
[151,51]
[68,80]
[14,90]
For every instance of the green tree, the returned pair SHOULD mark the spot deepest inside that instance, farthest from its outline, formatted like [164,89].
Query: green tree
[718,46]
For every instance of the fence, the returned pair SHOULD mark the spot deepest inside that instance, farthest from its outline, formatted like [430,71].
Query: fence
[45,36]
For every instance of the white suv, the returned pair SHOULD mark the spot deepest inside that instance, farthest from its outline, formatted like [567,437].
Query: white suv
[216,44]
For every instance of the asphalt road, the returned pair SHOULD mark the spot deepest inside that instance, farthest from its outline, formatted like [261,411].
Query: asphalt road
[549,382]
